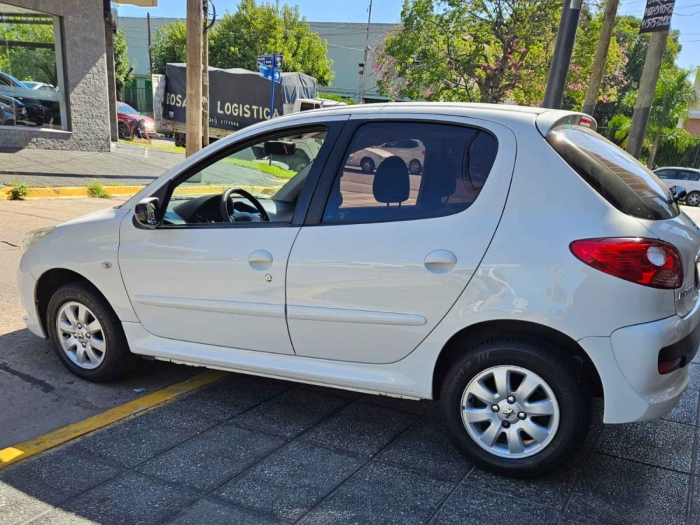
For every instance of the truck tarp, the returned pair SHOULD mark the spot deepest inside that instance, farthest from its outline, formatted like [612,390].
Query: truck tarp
[238,97]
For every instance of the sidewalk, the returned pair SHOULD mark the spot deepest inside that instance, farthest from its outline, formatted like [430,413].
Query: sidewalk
[127,165]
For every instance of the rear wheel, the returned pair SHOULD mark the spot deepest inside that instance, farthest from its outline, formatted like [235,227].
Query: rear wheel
[415,167]
[87,335]
[367,165]
[124,131]
[693,198]
[515,407]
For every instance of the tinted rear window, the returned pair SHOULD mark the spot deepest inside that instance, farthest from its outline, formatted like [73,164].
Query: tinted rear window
[612,172]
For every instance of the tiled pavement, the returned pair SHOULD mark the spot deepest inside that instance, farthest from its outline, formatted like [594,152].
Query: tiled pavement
[254,450]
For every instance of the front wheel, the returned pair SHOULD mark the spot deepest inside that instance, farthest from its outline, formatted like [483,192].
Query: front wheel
[693,198]
[87,335]
[514,407]
[367,165]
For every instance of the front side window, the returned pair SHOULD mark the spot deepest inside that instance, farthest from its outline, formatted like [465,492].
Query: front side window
[410,170]
[32,93]
[257,183]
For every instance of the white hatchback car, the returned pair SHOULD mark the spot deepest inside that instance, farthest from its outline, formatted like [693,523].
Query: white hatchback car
[688,178]
[474,282]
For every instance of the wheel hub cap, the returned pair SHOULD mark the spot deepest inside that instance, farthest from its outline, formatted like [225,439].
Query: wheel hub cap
[510,412]
[80,335]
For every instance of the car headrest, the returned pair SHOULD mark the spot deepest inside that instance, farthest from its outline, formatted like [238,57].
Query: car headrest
[439,178]
[391,181]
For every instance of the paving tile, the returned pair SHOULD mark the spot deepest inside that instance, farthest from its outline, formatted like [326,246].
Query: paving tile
[291,481]
[596,427]
[133,499]
[360,429]
[381,494]
[468,505]
[16,506]
[290,413]
[551,490]
[212,457]
[61,517]
[686,410]
[658,443]
[335,392]
[694,370]
[58,475]
[695,502]
[231,396]
[217,513]
[613,490]
[395,403]
[143,437]
[427,447]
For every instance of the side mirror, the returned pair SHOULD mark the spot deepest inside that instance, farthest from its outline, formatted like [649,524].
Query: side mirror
[678,193]
[146,213]
[279,147]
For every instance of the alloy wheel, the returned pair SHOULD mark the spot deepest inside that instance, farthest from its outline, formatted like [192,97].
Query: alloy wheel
[693,199]
[80,335]
[510,412]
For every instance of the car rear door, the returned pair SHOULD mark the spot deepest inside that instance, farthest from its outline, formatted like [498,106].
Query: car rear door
[384,255]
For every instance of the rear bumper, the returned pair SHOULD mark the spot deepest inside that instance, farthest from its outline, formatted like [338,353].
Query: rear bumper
[627,362]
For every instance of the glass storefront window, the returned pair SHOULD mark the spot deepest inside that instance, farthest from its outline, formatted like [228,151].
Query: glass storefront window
[32,91]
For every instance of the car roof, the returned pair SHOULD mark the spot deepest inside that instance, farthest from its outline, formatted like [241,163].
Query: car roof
[677,168]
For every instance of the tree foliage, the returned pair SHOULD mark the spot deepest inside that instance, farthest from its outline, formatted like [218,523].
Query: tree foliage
[169,45]
[25,63]
[254,29]
[123,71]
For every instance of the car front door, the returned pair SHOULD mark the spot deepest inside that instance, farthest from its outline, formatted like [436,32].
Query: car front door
[219,280]
[384,255]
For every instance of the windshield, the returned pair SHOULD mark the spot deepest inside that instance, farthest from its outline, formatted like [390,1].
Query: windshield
[621,179]
[127,109]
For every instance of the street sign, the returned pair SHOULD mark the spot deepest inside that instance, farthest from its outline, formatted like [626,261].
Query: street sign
[266,72]
[657,16]
[266,60]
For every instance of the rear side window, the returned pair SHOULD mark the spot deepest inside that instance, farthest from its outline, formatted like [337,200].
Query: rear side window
[612,172]
[410,170]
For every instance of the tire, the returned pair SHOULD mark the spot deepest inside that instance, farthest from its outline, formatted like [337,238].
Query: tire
[367,165]
[113,347]
[415,167]
[123,131]
[570,405]
[693,199]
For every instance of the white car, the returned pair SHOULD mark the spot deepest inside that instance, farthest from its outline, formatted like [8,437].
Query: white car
[411,151]
[688,178]
[474,283]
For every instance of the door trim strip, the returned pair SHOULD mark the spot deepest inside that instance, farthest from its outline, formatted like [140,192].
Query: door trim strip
[339,315]
[210,305]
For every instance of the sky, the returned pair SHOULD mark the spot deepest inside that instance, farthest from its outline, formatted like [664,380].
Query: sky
[686,16]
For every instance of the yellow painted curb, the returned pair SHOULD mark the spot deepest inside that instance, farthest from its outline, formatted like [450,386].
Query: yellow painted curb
[124,191]
[59,436]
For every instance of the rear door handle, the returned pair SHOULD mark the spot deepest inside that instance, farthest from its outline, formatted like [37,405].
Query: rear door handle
[260,260]
[440,261]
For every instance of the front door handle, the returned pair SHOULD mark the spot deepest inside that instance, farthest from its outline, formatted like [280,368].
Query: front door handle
[260,260]
[440,261]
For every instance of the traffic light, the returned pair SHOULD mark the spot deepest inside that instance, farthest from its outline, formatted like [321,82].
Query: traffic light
[362,68]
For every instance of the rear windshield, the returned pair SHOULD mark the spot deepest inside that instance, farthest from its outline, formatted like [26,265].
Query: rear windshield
[612,172]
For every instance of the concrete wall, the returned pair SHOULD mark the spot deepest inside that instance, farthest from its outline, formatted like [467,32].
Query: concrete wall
[345,47]
[85,70]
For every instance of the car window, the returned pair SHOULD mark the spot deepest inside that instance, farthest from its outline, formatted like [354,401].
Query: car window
[442,173]
[688,175]
[127,110]
[664,174]
[272,171]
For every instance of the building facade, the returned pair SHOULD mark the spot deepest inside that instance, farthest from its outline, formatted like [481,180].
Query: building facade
[56,75]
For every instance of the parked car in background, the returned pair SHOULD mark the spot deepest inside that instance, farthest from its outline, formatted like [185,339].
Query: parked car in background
[7,115]
[19,111]
[12,87]
[689,178]
[412,152]
[473,282]
[48,96]
[126,115]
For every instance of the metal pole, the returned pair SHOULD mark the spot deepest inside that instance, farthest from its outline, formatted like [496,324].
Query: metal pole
[556,82]
[150,58]
[193,115]
[205,74]
[361,98]
[272,86]
[601,56]
[645,96]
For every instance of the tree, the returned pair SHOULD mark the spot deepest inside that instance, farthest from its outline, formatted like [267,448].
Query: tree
[673,98]
[469,50]
[169,45]
[123,71]
[256,29]
[27,63]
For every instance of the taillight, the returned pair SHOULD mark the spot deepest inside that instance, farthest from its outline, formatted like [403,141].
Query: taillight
[585,121]
[643,261]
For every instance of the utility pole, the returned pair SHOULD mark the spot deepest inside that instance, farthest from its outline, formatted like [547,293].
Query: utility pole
[193,115]
[361,96]
[556,81]
[205,73]
[645,95]
[601,56]
[150,58]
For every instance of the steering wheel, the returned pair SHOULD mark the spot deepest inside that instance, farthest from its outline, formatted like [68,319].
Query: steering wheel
[226,195]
